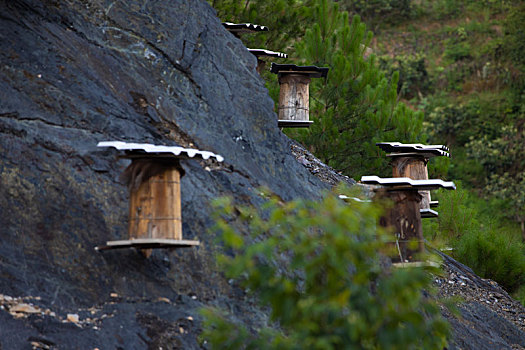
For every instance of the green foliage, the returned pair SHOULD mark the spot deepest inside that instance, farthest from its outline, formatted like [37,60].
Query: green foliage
[480,238]
[286,20]
[489,134]
[317,266]
[514,49]
[457,49]
[514,40]
[357,105]
[456,216]
[520,295]
[444,9]
[413,75]
[477,110]
[375,12]
[495,255]
[504,160]
[463,60]
[475,130]
[451,9]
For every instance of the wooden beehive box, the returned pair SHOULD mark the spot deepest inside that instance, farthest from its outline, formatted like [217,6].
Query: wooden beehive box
[410,160]
[294,94]
[154,182]
[404,217]
[155,204]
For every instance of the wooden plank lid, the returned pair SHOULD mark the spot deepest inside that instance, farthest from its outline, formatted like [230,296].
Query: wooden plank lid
[406,183]
[147,243]
[311,71]
[283,123]
[267,53]
[413,149]
[428,213]
[404,147]
[145,149]
[239,28]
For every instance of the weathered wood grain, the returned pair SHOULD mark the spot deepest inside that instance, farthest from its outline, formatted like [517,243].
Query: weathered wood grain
[416,169]
[294,97]
[155,208]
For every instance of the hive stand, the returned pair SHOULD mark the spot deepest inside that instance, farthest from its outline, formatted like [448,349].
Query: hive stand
[238,29]
[153,179]
[294,95]
[404,216]
[259,53]
[410,160]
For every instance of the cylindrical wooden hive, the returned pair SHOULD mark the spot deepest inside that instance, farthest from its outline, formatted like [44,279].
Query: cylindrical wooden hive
[155,207]
[294,97]
[404,219]
[415,168]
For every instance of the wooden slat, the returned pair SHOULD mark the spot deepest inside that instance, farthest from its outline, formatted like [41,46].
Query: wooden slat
[416,169]
[148,243]
[428,213]
[311,71]
[267,53]
[294,97]
[166,208]
[427,153]
[155,208]
[409,147]
[244,27]
[406,183]
[294,123]
[140,211]
[148,150]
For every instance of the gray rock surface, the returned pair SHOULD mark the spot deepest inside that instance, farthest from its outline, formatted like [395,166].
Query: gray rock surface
[73,73]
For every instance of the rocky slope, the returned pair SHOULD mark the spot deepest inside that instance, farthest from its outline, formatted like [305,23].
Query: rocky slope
[73,73]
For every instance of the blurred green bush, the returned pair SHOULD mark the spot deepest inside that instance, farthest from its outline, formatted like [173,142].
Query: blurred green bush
[479,236]
[318,267]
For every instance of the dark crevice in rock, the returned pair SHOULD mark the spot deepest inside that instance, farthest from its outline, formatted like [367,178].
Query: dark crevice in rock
[9,115]
[224,77]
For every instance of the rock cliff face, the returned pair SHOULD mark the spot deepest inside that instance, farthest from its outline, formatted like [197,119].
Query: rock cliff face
[73,73]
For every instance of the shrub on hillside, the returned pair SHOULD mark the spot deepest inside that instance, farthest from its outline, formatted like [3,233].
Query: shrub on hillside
[520,295]
[514,40]
[317,266]
[380,11]
[470,226]
[442,9]
[493,254]
[413,76]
